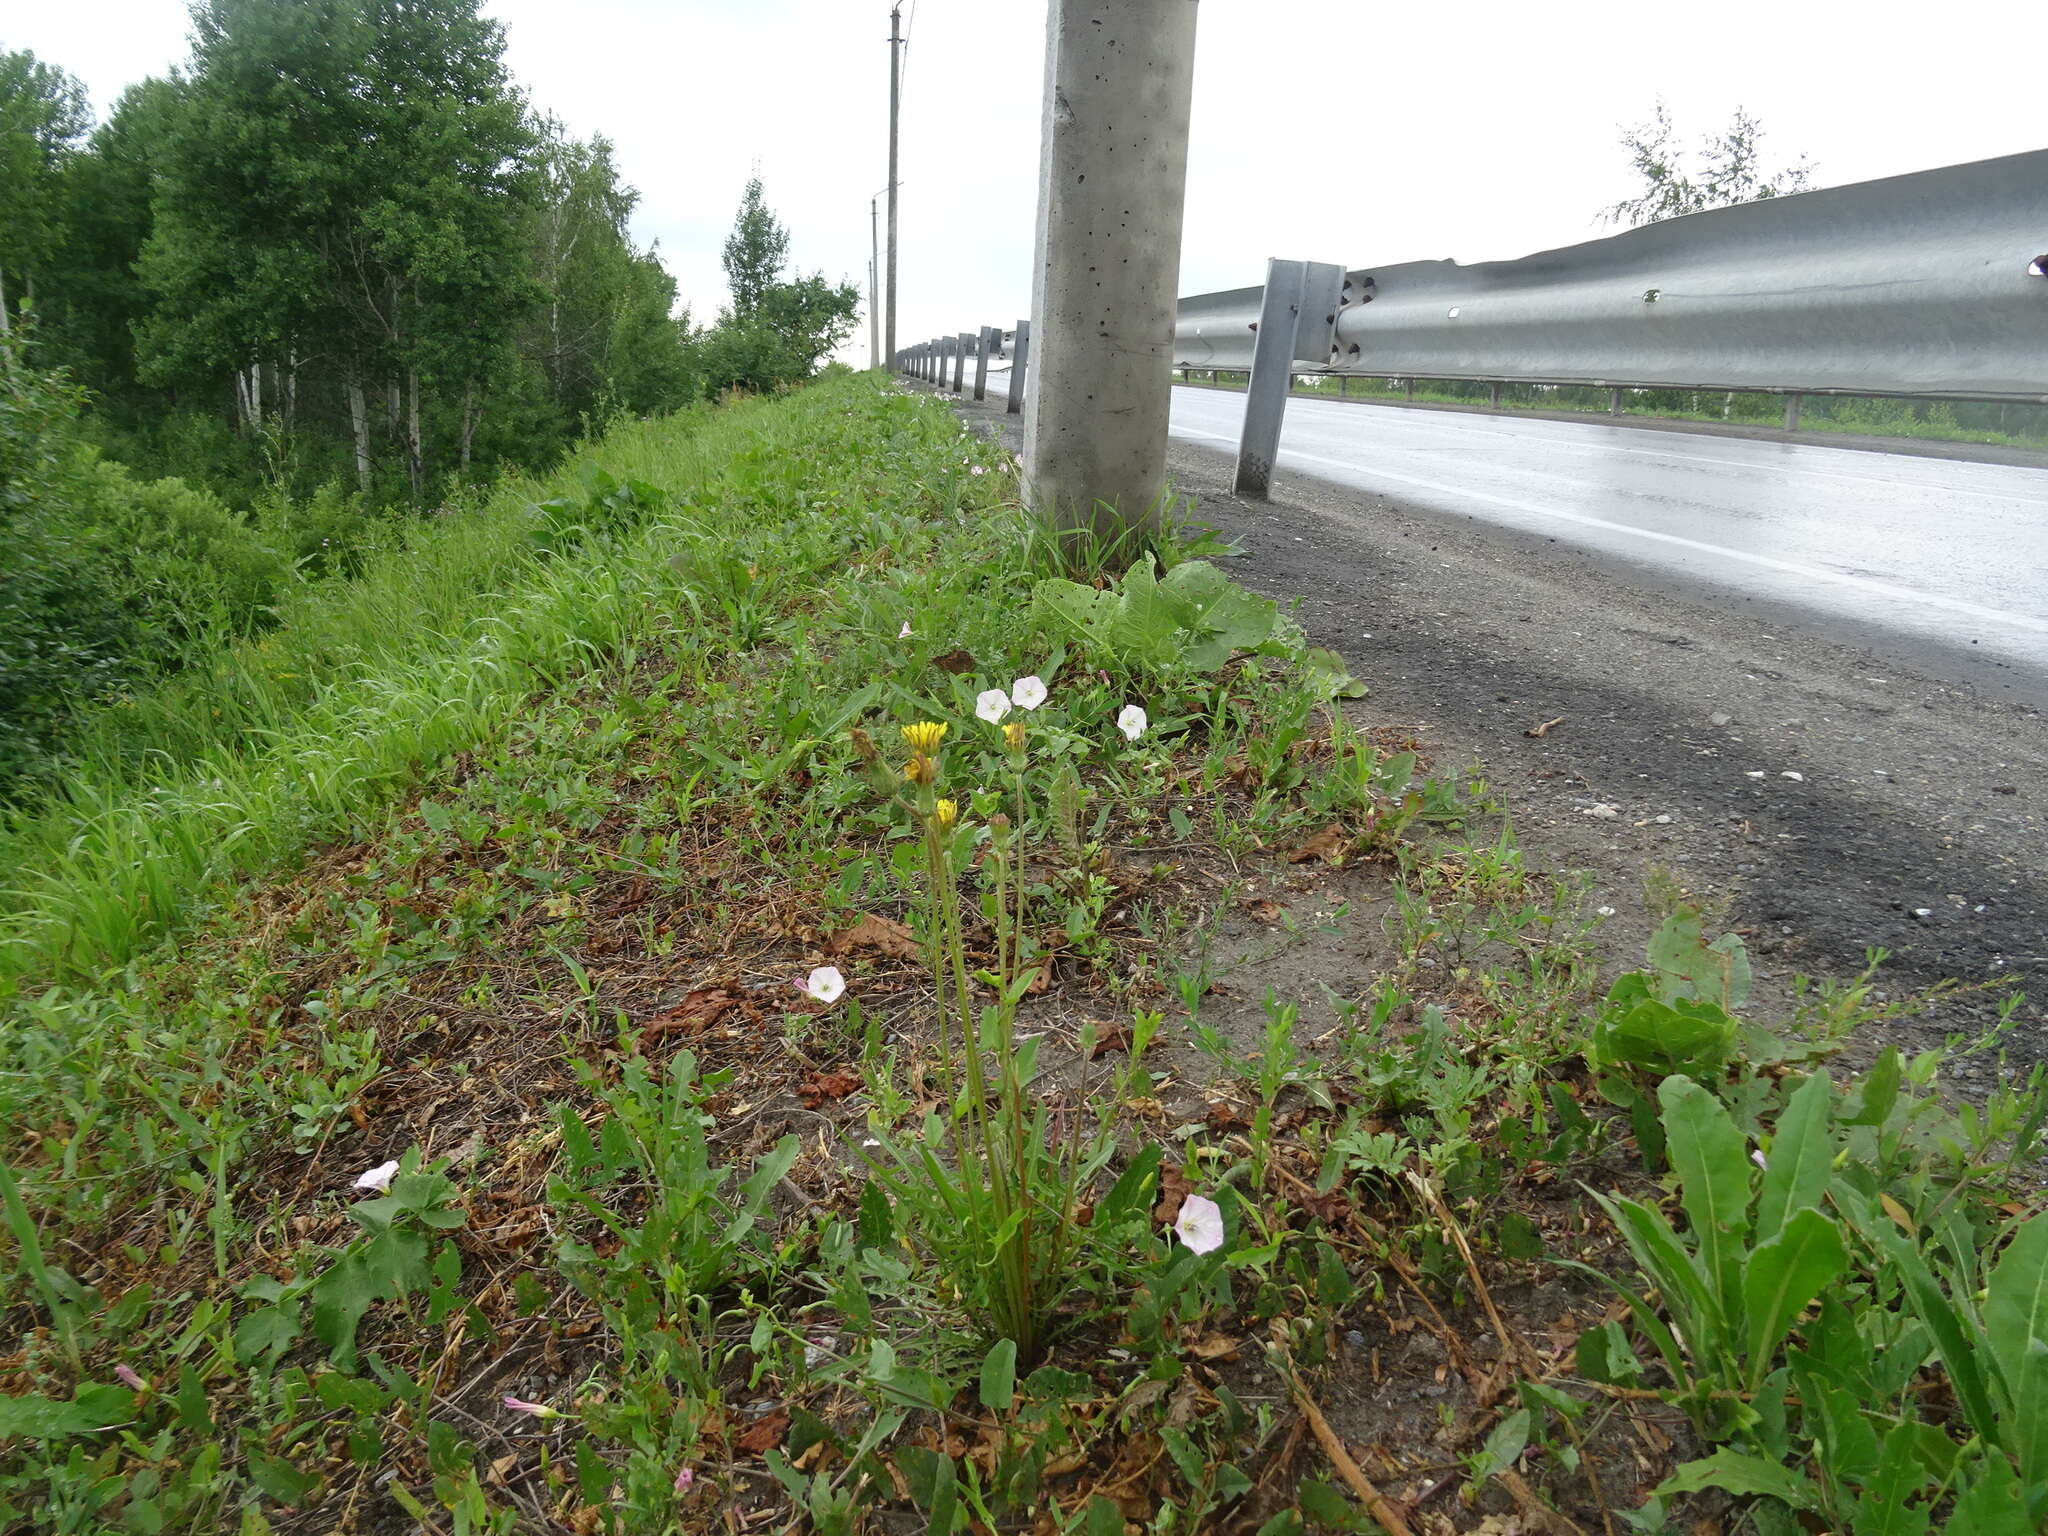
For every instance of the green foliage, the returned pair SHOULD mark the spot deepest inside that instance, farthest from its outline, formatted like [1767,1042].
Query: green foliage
[690,1237]
[1730,171]
[755,253]
[43,116]
[1194,619]
[777,331]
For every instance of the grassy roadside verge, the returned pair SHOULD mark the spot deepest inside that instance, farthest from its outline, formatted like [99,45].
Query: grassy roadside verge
[649,1260]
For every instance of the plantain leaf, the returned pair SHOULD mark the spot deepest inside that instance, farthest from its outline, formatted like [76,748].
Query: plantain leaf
[1749,1476]
[1707,1154]
[1781,1277]
[1801,1154]
[2016,1324]
[1886,1507]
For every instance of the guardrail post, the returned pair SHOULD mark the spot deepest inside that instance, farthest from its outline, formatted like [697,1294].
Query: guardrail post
[1792,413]
[1297,314]
[1614,402]
[981,364]
[1112,179]
[1493,397]
[1408,387]
[1020,356]
[960,345]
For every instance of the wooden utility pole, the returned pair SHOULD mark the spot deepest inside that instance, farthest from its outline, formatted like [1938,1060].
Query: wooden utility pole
[895,107]
[1112,172]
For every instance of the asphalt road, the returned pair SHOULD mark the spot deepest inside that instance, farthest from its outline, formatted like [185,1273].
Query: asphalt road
[1942,563]
[1827,763]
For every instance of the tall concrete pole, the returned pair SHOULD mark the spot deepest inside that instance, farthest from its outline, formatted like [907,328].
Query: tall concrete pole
[874,279]
[1119,80]
[895,106]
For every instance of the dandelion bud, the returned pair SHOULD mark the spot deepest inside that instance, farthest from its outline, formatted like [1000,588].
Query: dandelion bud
[921,770]
[1013,736]
[946,813]
[863,747]
[1000,822]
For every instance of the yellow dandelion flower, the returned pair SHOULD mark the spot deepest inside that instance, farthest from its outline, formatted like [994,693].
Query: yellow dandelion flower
[1013,736]
[924,737]
[920,770]
[946,813]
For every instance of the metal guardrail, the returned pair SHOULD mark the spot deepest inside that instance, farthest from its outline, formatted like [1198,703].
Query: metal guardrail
[1928,286]
[1932,286]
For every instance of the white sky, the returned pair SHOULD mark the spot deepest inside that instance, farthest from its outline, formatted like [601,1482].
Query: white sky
[1332,130]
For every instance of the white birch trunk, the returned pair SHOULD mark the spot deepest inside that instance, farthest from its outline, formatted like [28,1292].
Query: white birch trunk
[359,419]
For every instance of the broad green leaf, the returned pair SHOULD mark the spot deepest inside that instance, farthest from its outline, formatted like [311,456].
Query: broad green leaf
[1685,1288]
[1846,1443]
[999,1376]
[94,1407]
[1504,1446]
[1781,1277]
[2016,1324]
[1879,1090]
[1992,1505]
[391,1264]
[1661,1038]
[279,1478]
[1604,1356]
[1886,1507]
[1708,1156]
[1745,1475]
[1797,1166]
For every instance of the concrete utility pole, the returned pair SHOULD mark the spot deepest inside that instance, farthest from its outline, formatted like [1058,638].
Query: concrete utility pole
[895,107]
[874,279]
[1119,80]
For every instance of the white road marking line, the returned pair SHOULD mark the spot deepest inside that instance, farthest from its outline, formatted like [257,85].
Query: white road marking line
[1791,568]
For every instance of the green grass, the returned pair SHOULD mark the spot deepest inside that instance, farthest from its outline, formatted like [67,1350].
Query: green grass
[541,957]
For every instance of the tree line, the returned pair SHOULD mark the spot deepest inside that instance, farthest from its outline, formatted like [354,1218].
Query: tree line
[330,271]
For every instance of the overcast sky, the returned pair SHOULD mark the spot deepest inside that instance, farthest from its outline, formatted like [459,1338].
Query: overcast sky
[1331,130]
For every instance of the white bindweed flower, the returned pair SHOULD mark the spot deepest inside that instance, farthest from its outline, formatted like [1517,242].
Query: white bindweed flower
[1028,692]
[130,1377]
[823,985]
[532,1410]
[904,632]
[977,470]
[1132,722]
[1200,1224]
[377,1178]
[991,704]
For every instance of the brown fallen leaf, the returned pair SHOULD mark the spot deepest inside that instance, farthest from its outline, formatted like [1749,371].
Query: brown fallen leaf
[820,1086]
[883,934]
[764,1434]
[1543,729]
[698,1009]
[1224,1118]
[1330,845]
[957,662]
[1265,911]
[1173,1188]
[1112,1037]
[1214,1346]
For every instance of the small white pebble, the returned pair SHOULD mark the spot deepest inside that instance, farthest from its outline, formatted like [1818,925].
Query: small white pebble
[1754,773]
[1604,911]
[1796,778]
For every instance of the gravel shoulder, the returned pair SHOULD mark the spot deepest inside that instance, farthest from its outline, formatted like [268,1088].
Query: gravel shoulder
[1831,799]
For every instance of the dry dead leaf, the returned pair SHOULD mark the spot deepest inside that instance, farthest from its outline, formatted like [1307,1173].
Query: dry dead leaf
[1113,1037]
[1173,1188]
[693,1014]
[882,934]
[764,1434]
[817,1087]
[957,662]
[1265,911]
[1214,1346]
[1542,729]
[1330,845]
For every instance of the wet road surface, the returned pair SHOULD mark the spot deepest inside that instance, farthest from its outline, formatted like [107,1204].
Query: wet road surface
[1910,555]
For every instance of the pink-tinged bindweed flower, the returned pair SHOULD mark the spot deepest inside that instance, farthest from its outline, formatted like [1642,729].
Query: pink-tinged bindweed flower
[533,1410]
[977,470]
[904,632]
[684,1477]
[129,1378]
[1028,692]
[377,1178]
[1132,722]
[991,704]
[824,985]
[1200,1224]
